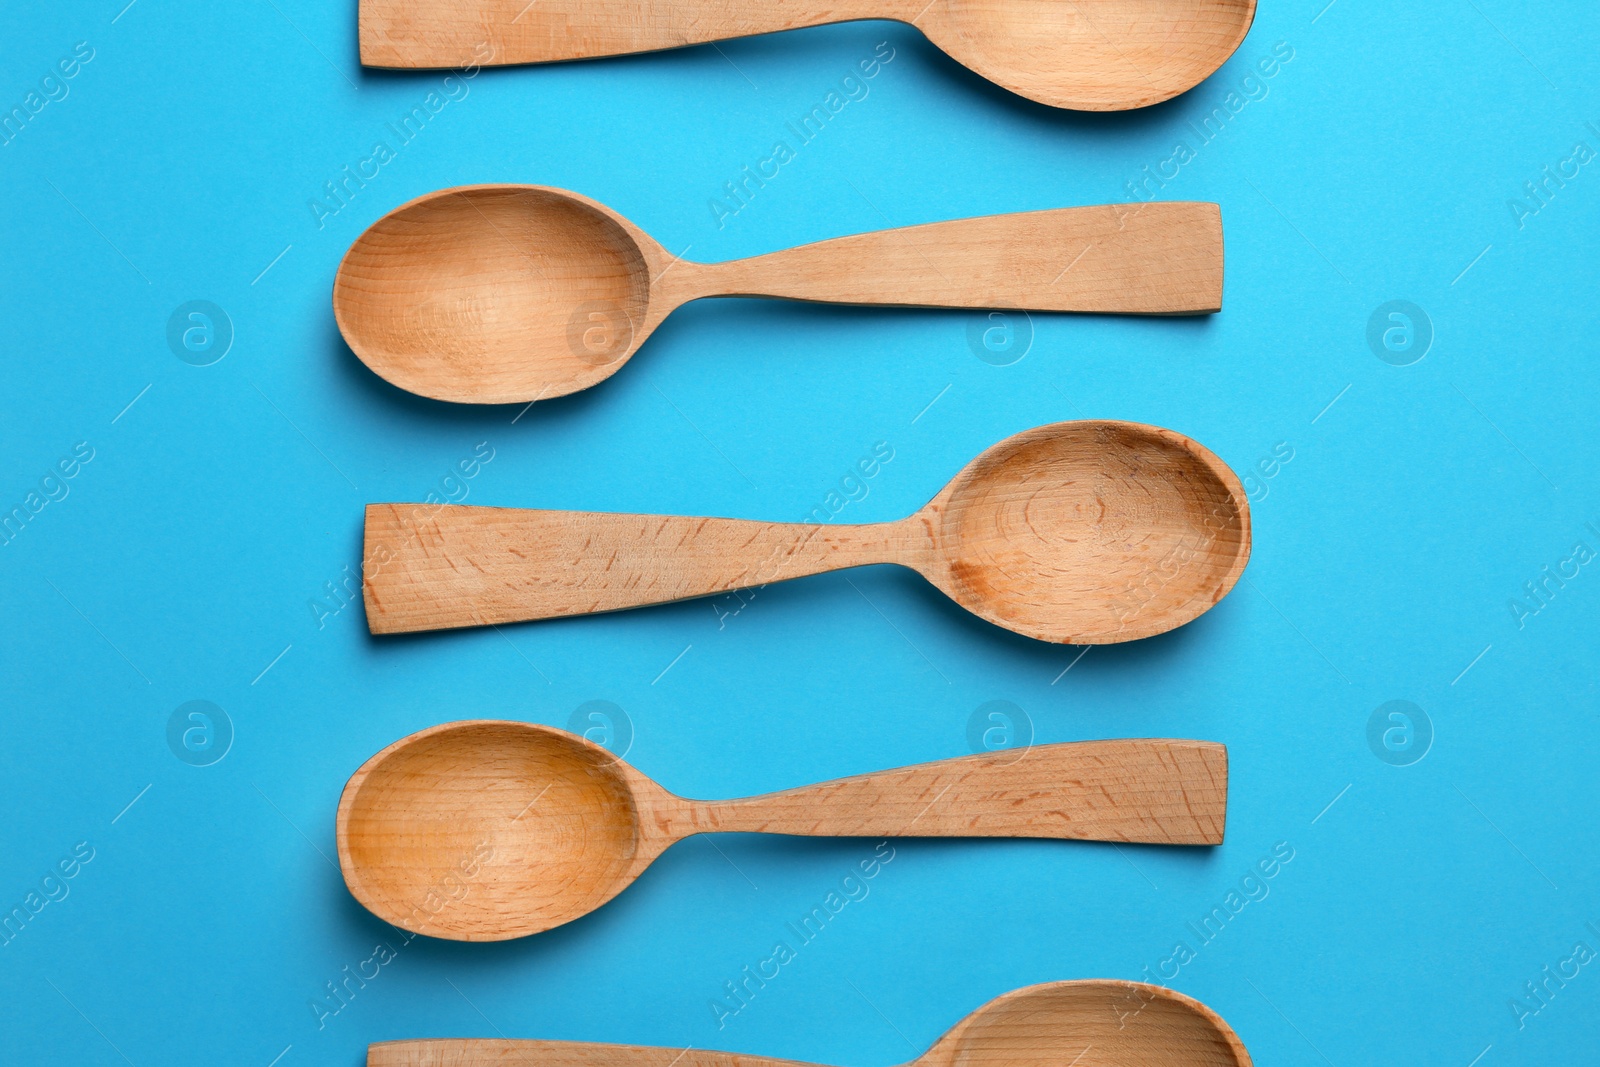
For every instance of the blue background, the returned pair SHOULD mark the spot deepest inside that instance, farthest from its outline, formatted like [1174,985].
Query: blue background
[184,562]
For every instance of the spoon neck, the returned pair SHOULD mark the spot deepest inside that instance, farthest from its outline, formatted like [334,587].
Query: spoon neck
[906,542]
[674,281]
[692,817]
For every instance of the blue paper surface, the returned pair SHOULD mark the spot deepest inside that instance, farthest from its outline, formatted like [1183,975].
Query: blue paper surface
[1402,368]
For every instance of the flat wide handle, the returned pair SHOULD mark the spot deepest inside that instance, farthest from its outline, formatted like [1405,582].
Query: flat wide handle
[470,33]
[431,567]
[474,1052]
[1152,258]
[1152,791]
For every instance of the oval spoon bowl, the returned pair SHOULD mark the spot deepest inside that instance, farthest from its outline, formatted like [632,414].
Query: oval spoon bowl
[1091,56]
[484,830]
[1103,1023]
[468,293]
[1113,532]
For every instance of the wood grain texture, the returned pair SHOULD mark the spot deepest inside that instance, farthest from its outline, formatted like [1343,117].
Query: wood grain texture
[1145,258]
[1089,55]
[511,293]
[485,830]
[1158,791]
[1077,532]
[1095,1023]
[455,566]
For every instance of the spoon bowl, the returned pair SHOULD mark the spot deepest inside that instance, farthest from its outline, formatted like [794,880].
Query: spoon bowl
[1095,1023]
[1102,1023]
[485,830]
[451,825]
[1103,56]
[1109,531]
[476,291]
[511,293]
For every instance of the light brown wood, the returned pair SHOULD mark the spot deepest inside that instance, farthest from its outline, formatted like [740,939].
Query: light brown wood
[1088,55]
[1096,1023]
[498,294]
[1086,532]
[485,830]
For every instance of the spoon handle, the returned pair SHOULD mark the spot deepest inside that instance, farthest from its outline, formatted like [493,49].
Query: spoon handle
[490,1052]
[1150,791]
[468,33]
[1142,258]
[431,567]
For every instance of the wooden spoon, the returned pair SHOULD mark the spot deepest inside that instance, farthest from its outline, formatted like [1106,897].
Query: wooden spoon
[495,294]
[485,830]
[1092,55]
[1081,533]
[1099,1023]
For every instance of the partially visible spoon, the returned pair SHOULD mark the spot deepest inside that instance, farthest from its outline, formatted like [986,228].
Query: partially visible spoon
[1080,533]
[485,830]
[495,294]
[1096,55]
[1098,1023]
